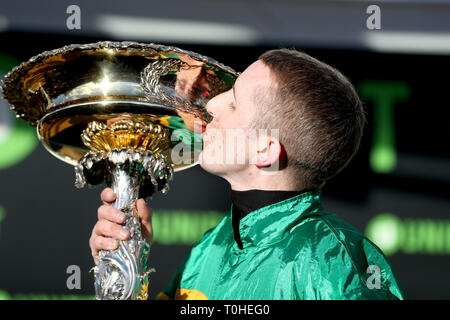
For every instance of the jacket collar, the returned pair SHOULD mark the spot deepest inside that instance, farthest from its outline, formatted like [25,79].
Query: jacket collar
[269,223]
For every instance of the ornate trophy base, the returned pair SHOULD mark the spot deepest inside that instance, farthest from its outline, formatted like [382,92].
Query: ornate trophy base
[136,170]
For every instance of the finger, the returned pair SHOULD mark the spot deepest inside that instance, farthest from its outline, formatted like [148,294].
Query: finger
[145,215]
[105,228]
[98,243]
[107,212]
[108,196]
[143,211]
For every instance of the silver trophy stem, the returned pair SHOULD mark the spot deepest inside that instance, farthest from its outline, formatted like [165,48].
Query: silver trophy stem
[123,273]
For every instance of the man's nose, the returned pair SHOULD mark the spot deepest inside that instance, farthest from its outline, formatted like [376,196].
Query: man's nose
[211,108]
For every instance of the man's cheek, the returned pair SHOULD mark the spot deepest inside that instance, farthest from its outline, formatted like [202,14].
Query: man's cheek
[236,147]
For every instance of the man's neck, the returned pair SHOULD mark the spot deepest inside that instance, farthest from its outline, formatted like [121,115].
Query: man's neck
[260,180]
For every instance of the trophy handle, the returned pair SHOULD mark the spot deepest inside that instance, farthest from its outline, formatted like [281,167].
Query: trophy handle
[151,81]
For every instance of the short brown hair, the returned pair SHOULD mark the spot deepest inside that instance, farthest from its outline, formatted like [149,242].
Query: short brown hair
[318,113]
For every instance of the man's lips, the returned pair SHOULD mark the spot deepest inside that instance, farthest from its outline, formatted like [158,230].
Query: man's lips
[199,127]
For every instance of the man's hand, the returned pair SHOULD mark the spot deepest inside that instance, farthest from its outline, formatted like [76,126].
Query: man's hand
[109,227]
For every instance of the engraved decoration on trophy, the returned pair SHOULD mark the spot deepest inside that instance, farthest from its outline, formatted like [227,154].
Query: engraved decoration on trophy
[117,112]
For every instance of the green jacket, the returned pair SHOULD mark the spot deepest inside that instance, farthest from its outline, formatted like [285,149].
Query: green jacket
[291,250]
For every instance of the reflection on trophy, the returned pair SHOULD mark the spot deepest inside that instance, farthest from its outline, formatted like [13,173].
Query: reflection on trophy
[118,112]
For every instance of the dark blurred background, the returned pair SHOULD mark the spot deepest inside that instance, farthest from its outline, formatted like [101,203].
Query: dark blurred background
[396,191]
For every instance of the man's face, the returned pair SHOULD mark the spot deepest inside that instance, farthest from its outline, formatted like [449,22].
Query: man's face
[227,148]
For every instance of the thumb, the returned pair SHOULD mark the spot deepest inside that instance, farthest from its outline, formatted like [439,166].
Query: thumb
[145,217]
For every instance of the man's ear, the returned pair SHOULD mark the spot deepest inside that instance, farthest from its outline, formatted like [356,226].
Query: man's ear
[269,152]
